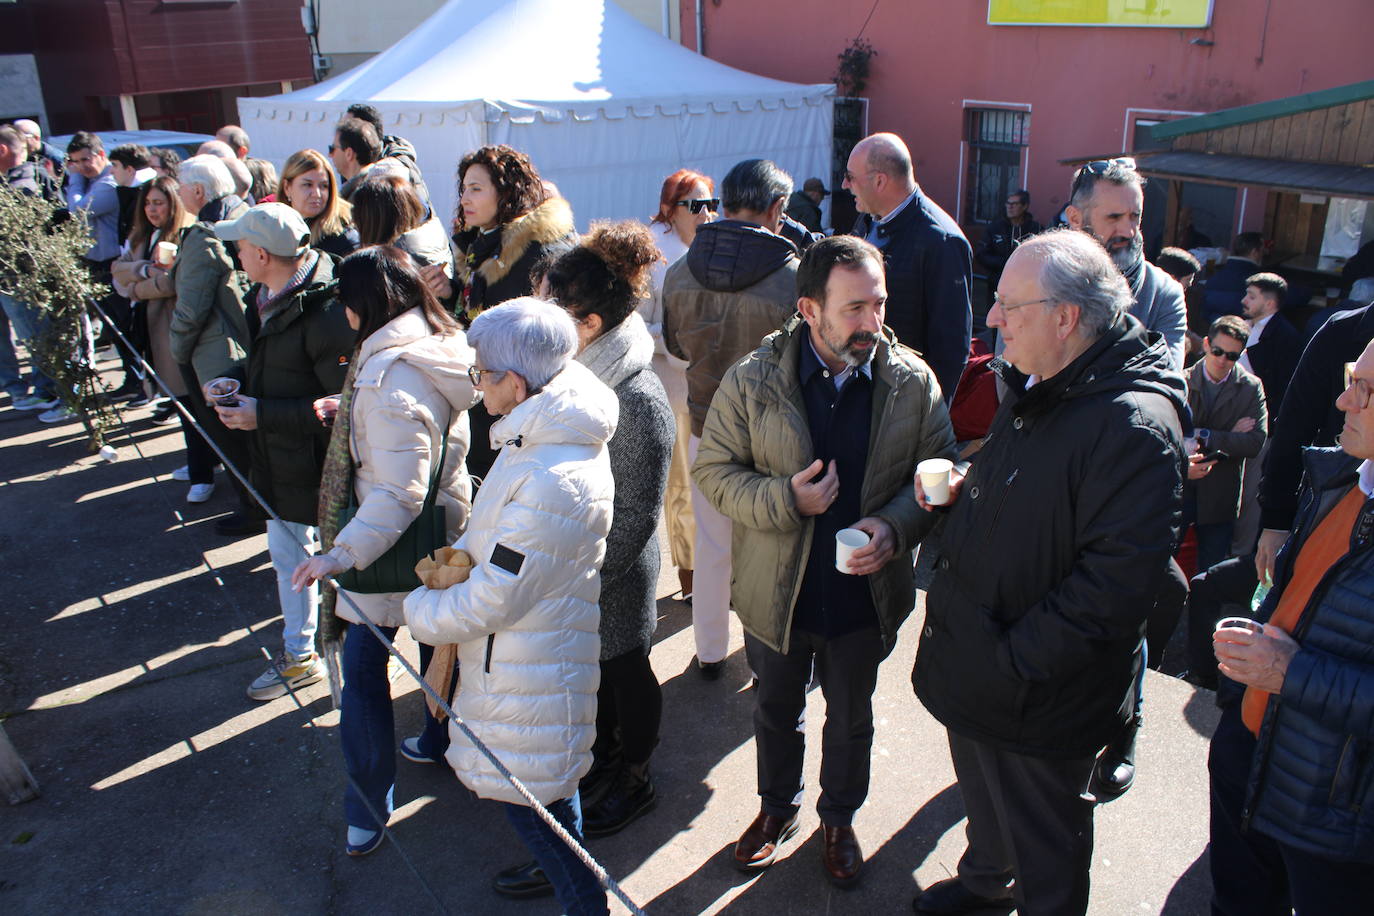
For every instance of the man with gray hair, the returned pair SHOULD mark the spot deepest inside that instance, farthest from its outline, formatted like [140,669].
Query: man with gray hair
[243,179]
[209,332]
[1054,548]
[1107,201]
[736,284]
[929,263]
[40,150]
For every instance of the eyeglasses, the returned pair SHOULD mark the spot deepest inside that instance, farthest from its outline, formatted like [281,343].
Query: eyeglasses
[1010,306]
[332,148]
[1364,392]
[1099,167]
[850,176]
[701,203]
[475,375]
[1226,354]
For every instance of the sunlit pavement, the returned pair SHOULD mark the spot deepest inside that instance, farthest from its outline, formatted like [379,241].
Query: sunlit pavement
[123,664]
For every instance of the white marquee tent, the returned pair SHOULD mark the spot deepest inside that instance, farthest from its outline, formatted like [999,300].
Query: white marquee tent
[604,106]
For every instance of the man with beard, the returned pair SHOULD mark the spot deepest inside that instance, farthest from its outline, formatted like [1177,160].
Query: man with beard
[816,431]
[1107,202]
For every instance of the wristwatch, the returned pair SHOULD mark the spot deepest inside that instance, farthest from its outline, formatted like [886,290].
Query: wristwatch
[1203,435]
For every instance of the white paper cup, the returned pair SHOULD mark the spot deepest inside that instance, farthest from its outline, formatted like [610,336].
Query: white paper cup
[165,253]
[935,479]
[848,540]
[1240,623]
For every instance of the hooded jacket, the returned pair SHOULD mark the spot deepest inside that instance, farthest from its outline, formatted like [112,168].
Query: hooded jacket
[209,331]
[492,267]
[758,435]
[410,390]
[526,619]
[736,285]
[299,354]
[1055,550]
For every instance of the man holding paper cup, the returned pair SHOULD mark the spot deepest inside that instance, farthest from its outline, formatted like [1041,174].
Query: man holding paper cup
[808,449]
[1292,772]
[1054,548]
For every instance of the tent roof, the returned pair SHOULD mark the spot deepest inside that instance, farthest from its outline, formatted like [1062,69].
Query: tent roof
[567,54]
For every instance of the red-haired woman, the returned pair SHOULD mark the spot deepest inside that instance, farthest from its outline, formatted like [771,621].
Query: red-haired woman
[685,202]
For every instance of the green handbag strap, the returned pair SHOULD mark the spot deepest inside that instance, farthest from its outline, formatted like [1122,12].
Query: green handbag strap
[430,496]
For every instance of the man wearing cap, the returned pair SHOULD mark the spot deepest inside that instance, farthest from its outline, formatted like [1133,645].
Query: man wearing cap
[299,351]
[804,206]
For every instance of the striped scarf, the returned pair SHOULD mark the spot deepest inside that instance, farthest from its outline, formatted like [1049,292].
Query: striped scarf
[334,484]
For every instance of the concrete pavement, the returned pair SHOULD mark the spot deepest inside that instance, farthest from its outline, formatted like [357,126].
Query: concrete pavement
[123,664]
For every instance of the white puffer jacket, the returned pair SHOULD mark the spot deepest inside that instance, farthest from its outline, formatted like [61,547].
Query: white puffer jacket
[411,386]
[526,620]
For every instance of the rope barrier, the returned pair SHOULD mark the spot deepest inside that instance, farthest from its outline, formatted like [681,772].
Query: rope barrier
[543,813]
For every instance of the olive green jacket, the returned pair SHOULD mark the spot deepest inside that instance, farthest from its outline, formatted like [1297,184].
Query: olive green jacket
[757,436]
[209,330]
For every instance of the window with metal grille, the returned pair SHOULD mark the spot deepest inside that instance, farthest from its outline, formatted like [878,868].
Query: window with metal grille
[996,138]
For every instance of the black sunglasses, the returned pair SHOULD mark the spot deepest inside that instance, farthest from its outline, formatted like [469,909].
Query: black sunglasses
[1227,354]
[701,203]
[332,147]
[1099,167]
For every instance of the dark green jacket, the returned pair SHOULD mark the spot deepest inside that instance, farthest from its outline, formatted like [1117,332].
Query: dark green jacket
[299,353]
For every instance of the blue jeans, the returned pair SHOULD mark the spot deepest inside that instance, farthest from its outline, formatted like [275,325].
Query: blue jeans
[1213,543]
[28,324]
[11,381]
[367,726]
[578,891]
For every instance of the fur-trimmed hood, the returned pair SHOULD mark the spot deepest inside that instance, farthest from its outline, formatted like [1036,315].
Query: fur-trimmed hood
[547,223]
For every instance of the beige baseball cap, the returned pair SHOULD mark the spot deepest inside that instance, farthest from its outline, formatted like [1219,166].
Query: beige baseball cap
[274,227]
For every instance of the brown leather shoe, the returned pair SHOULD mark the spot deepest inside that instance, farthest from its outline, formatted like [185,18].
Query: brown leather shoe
[842,857]
[758,846]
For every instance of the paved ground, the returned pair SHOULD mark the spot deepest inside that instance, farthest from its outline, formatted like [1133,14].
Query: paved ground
[123,662]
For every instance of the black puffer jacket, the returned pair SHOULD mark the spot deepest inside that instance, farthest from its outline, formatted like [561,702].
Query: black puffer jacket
[1054,553]
[299,353]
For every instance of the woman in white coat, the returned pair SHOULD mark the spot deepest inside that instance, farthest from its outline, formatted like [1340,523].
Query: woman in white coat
[409,390]
[526,619]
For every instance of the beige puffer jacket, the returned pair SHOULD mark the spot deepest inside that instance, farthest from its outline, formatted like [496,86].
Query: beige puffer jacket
[411,385]
[757,436]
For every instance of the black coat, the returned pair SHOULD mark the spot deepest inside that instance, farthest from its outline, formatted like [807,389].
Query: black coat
[1000,241]
[1274,357]
[1054,552]
[929,273]
[1223,290]
[298,354]
[1309,415]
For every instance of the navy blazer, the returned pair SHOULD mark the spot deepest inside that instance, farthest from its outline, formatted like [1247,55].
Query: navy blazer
[1274,357]
[929,266]
[1224,289]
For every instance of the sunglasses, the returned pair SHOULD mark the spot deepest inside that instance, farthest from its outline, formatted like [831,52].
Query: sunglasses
[700,203]
[1226,354]
[1099,167]
[332,148]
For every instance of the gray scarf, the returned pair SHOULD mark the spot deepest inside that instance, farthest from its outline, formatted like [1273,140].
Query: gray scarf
[620,352]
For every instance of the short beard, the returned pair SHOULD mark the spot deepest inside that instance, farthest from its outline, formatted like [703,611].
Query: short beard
[1123,258]
[846,350]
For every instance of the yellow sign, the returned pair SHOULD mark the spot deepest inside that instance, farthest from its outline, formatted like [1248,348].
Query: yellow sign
[1171,14]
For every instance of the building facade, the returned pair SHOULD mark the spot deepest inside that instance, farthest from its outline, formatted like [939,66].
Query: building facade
[173,64]
[989,108]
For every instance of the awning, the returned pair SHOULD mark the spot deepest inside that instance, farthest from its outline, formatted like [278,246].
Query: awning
[1248,171]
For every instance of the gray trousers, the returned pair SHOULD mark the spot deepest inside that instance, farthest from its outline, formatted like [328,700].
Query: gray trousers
[847,668]
[1027,820]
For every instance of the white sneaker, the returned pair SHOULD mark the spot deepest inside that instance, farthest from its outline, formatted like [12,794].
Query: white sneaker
[58,414]
[182,473]
[200,492]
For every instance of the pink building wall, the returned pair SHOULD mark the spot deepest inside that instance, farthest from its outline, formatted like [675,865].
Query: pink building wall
[1084,86]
